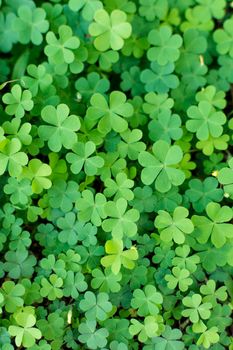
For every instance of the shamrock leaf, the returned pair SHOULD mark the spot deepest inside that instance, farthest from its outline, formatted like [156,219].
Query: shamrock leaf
[51,288]
[95,307]
[184,261]
[110,30]
[87,7]
[60,51]
[148,301]
[165,45]
[73,284]
[208,337]
[18,130]
[106,281]
[166,127]
[211,294]
[210,94]
[52,327]
[94,338]
[224,38]
[148,329]
[130,144]
[37,172]
[91,207]
[159,166]
[111,114]
[11,159]
[69,228]
[61,131]
[156,104]
[8,36]
[63,195]
[201,193]
[117,256]
[30,23]
[196,310]
[25,334]
[122,222]
[81,158]
[152,9]
[93,83]
[225,177]
[12,295]
[180,277]
[168,341]
[39,79]
[18,101]
[159,78]
[215,226]
[120,188]
[205,121]
[19,264]
[174,228]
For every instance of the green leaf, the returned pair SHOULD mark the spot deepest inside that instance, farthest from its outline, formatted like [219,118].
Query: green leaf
[62,131]
[110,31]
[159,167]
[168,341]
[94,338]
[95,307]
[148,301]
[18,101]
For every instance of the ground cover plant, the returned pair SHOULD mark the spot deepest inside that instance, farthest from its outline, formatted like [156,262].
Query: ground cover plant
[116,173]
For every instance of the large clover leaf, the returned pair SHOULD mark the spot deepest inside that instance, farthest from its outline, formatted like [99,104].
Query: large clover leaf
[11,158]
[196,309]
[109,115]
[80,158]
[61,132]
[30,23]
[205,121]
[148,301]
[110,31]
[159,78]
[25,334]
[18,101]
[215,226]
[117,256]
[94,338]
[96,307]
[168,341]
[175,227]
[122,221]
[160,166]
[166,46]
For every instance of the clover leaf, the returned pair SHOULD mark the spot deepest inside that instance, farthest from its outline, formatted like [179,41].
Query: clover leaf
[110,30]
[117,256]
[225,177]
[165,45]
[201,193]
[12,294]
[87,7]
[159,166]
[215,226]
[111,114]
[80,158]
[121,221]
[52,327]
[196,309]
[159,78]
[147,302]
[168,341]
[51,288]
[63,126]
[224,38]
[148,329]
[18,101]
[208,337]
[174,228]
[179,277]
[30,24]
[96,307]
[205,121]
[94,338]
[11,158]
[38,173]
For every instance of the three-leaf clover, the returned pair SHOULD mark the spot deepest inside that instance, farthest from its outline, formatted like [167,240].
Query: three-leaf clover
[174,227]
[168,341]
[205,121]
[224,38]
[92,337]
[11,158]
[51,288]
[25,334]
[96,306]
[215,226]
[110,30]
[62,128]
[38,173]
[147,301]
[196,310]
[18,101]
[159,167]
[117,256]
[165,45]
[91,207]
[122,222]
[109,115]
[80,158]
[13,295]
[30,24]
[225,177]
[179,277]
